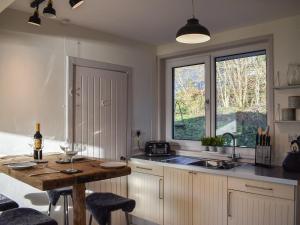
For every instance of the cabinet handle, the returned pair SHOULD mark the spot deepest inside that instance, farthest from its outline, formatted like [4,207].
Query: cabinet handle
[143,168]
[229,204]
[257,187]
[161,187]
[192,172]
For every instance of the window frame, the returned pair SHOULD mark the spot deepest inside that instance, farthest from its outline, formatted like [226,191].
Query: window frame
[181,62]
[210,88]
[269,80]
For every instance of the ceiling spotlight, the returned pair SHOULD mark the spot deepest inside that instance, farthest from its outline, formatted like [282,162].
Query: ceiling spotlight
[193,32]
[76,3]
[35,18]
[49,11]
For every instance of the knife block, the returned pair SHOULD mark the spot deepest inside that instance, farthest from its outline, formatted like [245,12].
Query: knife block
[263,156]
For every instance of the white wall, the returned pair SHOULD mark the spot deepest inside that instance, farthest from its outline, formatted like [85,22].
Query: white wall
[33,81]
[286,34]
[33,76]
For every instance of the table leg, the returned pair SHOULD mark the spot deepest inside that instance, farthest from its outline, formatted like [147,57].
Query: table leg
[79,210]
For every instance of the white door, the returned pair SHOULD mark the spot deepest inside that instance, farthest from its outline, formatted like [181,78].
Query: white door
[100,112]
[100,121]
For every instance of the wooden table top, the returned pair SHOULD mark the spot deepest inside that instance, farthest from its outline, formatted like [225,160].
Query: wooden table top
[91,171]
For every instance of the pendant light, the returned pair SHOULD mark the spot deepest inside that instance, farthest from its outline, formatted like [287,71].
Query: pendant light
[76,3]
[49,11]
[35,18]
[193,32]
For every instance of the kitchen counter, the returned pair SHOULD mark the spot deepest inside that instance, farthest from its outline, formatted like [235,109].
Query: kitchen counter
[275,174]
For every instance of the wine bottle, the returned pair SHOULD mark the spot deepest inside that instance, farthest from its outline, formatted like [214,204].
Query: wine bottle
[38,138]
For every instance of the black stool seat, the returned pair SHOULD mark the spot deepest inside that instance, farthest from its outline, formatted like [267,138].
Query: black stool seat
[55,194]
[102,204]
[25,216]
[6,203]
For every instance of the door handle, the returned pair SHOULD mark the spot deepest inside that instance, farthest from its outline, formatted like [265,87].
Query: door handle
[143,168]
[161,188]
[229,214]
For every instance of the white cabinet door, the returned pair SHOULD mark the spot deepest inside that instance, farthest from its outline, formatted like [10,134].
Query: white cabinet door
[209,199]
[178,188]
[253,209]
[147,191]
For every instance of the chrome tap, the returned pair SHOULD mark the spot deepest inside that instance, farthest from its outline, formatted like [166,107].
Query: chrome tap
[234,157]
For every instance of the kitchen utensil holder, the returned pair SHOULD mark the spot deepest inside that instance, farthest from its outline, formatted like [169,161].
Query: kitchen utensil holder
[263,156]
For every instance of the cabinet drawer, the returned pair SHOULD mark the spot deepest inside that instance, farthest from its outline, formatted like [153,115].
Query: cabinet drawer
[146,168]
[262,188]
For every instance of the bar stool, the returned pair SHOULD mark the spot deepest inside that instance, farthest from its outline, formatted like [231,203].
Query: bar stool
[25,216]
[101,205]
[54,196]
[6,203]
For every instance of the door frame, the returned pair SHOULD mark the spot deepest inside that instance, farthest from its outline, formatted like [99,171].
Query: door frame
[72,62]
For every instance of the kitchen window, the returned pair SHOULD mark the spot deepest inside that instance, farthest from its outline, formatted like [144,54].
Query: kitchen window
[241,95]
[189,102]
[221,91]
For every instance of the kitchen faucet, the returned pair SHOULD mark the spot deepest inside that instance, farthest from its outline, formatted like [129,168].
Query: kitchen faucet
[234,156]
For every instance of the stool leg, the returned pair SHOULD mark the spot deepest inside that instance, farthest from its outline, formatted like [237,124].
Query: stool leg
[66,210]
[67,199]
[49,209]
[127,218]
[91,218]
[109,219]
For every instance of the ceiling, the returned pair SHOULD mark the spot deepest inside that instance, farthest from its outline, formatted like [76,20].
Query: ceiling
[157,21]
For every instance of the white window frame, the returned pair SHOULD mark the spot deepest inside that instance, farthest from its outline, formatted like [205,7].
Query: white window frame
[179,62]
[210,89]
[269,79]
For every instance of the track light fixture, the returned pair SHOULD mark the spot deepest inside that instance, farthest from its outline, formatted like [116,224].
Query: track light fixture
[76,3]
[49,11]
[35,18]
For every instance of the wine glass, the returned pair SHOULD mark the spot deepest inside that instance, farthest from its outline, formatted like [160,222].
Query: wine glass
[71,150]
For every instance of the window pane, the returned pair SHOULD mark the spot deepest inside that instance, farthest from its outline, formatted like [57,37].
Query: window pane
[241,95]
[189,102]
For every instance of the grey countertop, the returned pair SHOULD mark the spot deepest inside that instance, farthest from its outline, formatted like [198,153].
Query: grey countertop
[276,174]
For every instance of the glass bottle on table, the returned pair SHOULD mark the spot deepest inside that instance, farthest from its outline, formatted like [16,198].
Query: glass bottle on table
[37,146]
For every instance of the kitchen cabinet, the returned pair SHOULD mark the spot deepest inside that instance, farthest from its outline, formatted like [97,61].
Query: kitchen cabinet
[146,188]
[193,198]
[178,196]
[209,199]
[256,202]
[253,209]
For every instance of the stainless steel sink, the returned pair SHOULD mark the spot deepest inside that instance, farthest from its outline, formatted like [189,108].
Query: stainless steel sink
[207,163]
[215,164]
[182,160]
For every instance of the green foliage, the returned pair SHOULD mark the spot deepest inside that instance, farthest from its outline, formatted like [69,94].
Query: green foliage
[220,141]
[206,141]
[212,141]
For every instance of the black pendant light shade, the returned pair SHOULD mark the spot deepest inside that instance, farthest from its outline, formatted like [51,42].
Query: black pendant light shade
[76,3]
[193,33]
[35,19]
[49,11]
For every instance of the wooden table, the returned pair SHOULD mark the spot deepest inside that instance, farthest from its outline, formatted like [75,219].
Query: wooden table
[91,171]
